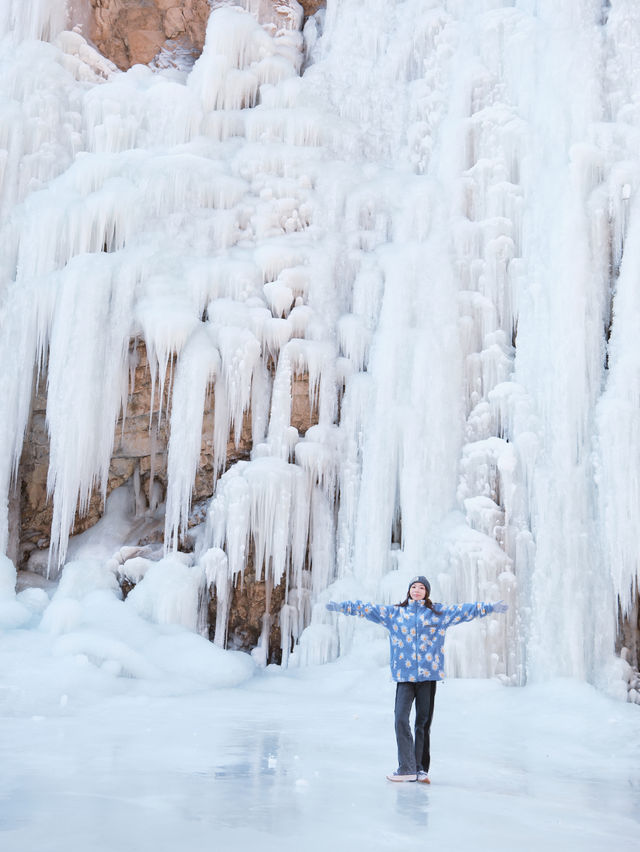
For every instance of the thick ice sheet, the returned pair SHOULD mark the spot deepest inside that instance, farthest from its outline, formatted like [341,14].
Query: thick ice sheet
[298,760]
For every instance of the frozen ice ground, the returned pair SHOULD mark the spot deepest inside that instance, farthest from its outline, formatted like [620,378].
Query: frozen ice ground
[297,759]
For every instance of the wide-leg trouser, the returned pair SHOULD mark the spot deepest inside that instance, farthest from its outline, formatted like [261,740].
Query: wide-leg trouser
[414,751]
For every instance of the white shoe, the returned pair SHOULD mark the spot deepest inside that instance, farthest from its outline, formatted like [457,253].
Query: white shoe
[395,776]
[423,777]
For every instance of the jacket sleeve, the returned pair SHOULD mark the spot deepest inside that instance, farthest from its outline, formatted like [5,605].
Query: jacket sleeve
[372,612]
[458,613]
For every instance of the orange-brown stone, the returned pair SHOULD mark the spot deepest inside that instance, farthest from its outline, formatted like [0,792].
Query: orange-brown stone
[129,32]
[134,31]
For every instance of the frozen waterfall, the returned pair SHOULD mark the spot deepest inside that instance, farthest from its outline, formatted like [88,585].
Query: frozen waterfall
[430,211]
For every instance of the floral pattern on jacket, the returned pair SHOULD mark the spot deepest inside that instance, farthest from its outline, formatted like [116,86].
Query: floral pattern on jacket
[416,633]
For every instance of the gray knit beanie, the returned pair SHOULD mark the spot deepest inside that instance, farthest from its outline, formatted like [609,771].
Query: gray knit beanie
[424,582]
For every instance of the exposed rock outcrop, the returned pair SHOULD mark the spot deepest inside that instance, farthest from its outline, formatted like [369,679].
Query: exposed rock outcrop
[129,32]
[252,602]
[310,7]
[628,644]
[134,31]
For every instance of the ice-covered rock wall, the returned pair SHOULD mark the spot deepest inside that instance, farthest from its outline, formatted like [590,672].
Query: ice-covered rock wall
[427,208]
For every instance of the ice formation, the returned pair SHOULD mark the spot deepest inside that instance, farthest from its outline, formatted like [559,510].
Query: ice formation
[435,218]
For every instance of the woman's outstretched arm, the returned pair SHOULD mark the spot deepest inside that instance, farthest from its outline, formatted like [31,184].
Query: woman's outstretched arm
[468,611]
[372,612]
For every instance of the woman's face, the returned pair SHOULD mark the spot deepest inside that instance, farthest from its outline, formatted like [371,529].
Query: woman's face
[418,592]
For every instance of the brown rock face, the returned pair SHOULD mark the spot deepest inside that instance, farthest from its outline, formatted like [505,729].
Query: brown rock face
[130,32]
[629,632]
[251,602]
[134,31]
[312,6]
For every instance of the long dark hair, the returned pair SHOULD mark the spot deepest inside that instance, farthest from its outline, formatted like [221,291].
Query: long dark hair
[427,602]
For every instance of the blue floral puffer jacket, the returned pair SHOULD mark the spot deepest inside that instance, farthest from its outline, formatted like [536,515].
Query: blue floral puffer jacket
[416,634]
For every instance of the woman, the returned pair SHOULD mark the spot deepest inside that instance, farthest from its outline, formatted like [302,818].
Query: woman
[416,632]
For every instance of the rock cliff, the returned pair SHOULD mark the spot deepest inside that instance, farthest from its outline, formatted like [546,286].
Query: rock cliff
[143,31]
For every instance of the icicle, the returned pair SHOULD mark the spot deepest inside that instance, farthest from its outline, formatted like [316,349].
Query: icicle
[299,536]
[166,324]
[271,499]
[318,454]
[40,19]
[87,367]
[228,518]
[280,417]
[322,529]
[19,348]
[618,438]
[279,298]
[238,57]
[239,351]
[299,319]
[354,340]
[266,500]
[275,334]
[198,365]
[216,569]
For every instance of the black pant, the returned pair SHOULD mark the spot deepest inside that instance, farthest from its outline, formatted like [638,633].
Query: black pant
[413,753]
